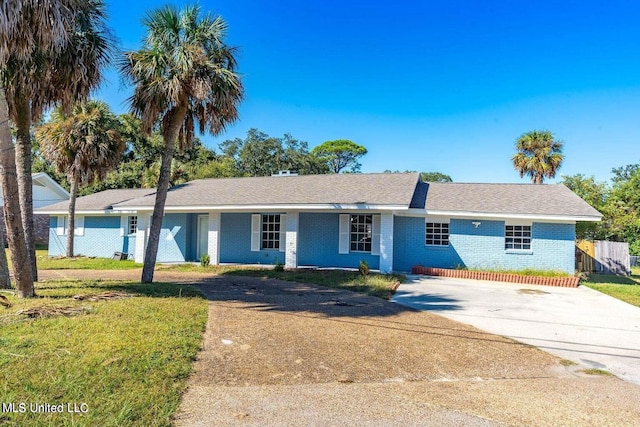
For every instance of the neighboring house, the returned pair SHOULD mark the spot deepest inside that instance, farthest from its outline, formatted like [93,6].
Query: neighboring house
[45,192]
[393,221]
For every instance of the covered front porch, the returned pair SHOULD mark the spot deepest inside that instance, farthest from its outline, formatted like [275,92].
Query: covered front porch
[292,238]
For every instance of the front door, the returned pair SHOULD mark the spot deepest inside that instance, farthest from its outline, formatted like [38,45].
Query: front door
[203,235]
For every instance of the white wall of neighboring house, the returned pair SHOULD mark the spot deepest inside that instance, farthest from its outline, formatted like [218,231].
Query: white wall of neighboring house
[45,191]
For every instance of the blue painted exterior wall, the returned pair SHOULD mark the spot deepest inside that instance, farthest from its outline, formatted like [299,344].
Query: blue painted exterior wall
[318,242]
[101,238]
[552,246]
[235,242]
[173,238]
[57,244]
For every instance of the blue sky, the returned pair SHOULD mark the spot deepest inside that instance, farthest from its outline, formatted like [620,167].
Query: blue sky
[442,86]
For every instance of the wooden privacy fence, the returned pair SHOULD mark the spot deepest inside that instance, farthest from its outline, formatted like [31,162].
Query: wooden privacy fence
[603,257]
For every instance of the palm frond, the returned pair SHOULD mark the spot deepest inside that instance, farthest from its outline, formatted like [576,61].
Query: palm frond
[538,155]
[184,59]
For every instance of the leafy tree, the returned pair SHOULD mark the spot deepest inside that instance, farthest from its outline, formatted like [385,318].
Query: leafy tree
[46,76]
[262,155]
[85,145]
[224,167]
[538,155]
[624,173]
[340,154]
[427,176]
[435,177]
[596,194]
[184,73]
[26,27]
[623,209]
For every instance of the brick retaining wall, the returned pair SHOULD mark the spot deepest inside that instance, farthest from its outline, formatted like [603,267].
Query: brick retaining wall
[566,282]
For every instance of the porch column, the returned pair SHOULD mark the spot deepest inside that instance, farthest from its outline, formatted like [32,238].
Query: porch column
[213,238]
[144,222]
[386,243]
[291,245]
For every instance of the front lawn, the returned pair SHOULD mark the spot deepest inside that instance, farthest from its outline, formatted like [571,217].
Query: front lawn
[378,285]
[625,288]
[118,362]
[45,262]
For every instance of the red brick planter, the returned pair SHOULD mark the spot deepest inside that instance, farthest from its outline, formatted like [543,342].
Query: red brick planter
[566,282]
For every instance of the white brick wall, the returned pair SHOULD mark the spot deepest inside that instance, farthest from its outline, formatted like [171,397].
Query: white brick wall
[213,239]
[386,243]
[291,230]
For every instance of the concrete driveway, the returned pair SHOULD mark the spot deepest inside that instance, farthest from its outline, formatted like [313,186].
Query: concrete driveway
[578,324]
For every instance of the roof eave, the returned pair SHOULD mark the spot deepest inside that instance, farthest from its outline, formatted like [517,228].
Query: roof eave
[489,215]
[269,207]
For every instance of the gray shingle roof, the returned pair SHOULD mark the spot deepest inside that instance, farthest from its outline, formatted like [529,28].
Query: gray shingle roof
[521,199]
[371,189]
[397,190]
[100,201]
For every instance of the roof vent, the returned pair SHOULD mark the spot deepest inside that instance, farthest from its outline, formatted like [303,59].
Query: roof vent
[285,173]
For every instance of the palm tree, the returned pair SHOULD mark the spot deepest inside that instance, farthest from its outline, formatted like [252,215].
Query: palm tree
[5,280]
[36,81]
[183,74]
[23,24]
[84,145]
[539,155]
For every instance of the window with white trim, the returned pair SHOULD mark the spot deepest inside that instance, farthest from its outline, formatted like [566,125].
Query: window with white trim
[132,225]
[270,235]
[61,226]
[437,233]
[360,233]
[517,237]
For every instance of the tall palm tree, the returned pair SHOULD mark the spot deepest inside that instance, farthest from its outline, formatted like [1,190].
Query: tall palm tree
[183,74]
[538,155]
[23,25]
[36,81]
[85,145]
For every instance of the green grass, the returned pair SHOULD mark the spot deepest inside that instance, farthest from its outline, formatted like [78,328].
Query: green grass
[45,262]
[378,285]
[126,359]
[595,371]
[625,288]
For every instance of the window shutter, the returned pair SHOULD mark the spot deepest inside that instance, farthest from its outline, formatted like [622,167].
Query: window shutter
[79,231]
[375,235]
[283,233]
[255,232]
[60,225]
[345,226]
[124,222]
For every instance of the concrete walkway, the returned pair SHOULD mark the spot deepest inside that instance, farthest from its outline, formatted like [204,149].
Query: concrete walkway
[578,324]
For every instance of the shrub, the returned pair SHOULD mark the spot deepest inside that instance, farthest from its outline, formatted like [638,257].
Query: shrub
[205,260]
[363,268]
[278,266]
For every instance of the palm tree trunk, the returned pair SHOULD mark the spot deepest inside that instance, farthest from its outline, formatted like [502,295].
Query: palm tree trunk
[20,260]
[5,280]
[170,138]
[71,219]
[25,181]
